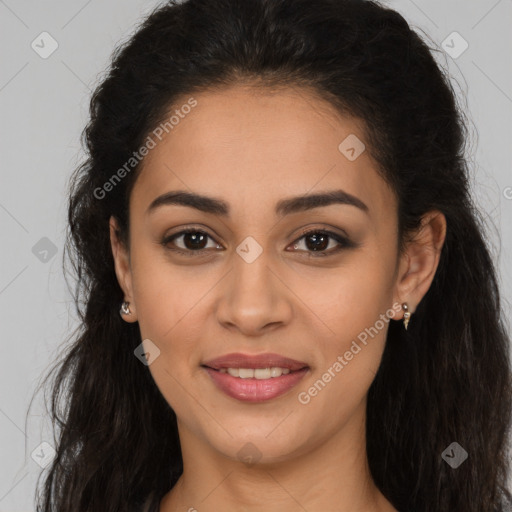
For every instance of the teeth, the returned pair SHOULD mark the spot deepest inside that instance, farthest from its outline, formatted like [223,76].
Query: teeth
[258,373]
[245,373]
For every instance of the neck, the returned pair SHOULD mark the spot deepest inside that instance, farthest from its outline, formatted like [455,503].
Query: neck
[333,475]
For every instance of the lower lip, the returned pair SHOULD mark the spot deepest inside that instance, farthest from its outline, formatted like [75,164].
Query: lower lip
[255,390]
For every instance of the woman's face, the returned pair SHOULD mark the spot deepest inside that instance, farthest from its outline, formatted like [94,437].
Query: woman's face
[253,283]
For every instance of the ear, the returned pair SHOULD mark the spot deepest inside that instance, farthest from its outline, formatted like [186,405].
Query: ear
[123,269]
[418,263]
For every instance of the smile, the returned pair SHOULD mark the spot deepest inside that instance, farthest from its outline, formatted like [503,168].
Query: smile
[255,378]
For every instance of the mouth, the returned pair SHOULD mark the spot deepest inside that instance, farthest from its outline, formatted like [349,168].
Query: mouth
[255,378]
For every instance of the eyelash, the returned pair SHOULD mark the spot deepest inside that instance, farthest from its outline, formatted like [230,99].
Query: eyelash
[344,242]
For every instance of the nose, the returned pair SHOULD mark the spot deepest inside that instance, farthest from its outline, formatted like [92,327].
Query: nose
[254,297]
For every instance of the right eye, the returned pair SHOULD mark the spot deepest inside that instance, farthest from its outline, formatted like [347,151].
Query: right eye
[193,241]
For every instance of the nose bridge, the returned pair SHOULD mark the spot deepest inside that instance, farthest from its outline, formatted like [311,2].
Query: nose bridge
[251,265]
[251,281]
[253,297]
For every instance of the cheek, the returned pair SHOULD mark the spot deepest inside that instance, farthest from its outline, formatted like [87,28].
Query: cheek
[353,305]
[351,298]
[349,362]
[168,308]
[168,297]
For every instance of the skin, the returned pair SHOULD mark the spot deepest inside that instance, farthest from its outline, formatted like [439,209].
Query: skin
[251,148]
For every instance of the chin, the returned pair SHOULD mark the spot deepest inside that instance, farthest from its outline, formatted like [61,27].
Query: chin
[261,444]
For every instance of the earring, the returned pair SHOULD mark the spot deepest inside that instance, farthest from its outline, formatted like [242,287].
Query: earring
[125,309]
[407,314]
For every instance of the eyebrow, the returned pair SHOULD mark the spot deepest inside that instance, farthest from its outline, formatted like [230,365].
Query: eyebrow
[283,207]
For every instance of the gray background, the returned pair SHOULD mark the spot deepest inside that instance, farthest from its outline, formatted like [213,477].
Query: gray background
[44,104]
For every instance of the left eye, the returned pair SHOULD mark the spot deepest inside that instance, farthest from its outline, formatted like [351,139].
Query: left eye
[318,241]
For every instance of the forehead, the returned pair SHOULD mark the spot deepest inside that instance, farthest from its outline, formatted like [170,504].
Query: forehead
[254,146]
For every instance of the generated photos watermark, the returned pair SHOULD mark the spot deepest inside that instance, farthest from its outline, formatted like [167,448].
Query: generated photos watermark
[337,366]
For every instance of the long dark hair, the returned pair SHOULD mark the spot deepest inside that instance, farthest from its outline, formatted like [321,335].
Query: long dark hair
[447,379]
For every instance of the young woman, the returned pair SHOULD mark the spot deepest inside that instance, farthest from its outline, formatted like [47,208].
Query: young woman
[286,294]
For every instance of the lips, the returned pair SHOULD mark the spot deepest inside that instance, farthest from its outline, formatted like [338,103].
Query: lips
[251,389]
[238,360]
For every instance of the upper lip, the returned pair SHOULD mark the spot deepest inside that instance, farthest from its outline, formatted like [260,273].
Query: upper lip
[268,360]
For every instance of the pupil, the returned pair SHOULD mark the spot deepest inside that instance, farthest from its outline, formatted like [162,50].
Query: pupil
[194,237]
[320,241]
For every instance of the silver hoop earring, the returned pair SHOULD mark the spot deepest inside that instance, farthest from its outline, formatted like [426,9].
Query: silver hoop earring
[407,314]
[125,309]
